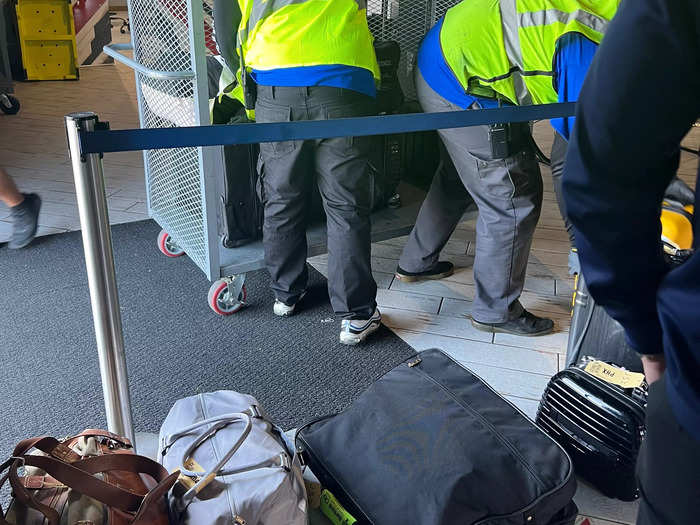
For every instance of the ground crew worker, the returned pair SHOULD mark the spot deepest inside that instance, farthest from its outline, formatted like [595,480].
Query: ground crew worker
[310,61]
[483,54]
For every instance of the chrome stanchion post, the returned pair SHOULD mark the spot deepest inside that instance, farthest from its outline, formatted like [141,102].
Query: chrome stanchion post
[99,260]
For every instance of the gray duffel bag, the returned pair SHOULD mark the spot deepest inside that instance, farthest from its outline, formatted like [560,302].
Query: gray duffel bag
[236,466]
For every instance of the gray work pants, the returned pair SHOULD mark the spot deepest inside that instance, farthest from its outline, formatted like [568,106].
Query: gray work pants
[339,166]
[508,193]
[558,156]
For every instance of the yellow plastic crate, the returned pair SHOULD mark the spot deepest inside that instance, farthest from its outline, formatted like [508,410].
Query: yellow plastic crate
[47,38]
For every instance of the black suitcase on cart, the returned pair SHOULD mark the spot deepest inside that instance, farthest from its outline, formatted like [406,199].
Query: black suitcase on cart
[243,211]
[430,443]
[601,425]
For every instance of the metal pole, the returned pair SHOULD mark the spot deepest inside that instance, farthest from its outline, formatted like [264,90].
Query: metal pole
[99,260]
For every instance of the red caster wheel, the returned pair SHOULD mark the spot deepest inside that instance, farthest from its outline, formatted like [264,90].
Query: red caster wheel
[227,296]
[168,246]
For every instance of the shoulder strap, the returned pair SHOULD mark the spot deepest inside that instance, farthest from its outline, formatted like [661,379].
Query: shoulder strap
[48,445]
[84,482]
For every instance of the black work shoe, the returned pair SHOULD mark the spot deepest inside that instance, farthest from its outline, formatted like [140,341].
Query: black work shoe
[439,271]
[25,218]
[527,325]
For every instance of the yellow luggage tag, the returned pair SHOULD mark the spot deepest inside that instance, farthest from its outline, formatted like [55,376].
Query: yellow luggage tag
[334,511]
[192,466]
[615,375]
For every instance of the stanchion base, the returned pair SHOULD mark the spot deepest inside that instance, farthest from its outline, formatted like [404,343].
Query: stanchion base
[147,444]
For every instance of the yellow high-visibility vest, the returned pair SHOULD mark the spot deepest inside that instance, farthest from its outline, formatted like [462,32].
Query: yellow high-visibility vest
[506,48]
[278,34]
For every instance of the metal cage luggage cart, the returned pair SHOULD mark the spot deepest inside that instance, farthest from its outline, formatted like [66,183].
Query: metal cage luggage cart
[170,40]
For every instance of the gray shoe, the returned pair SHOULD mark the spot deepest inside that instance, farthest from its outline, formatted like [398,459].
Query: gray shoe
[25,221]
[527,325]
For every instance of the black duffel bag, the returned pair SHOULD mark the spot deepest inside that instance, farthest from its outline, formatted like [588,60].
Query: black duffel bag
[431,444]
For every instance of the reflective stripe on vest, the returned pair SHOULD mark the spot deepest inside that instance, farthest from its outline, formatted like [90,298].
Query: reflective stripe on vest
[508,47]
[511,40]
[293,33]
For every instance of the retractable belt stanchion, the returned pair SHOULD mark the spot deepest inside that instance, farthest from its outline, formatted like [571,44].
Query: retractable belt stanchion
[99,260]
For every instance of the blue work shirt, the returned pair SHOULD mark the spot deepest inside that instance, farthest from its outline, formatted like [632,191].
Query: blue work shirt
[574,55]
[623,154]
[335,75]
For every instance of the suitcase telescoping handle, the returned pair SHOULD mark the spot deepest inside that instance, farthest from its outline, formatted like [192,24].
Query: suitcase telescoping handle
[210,427]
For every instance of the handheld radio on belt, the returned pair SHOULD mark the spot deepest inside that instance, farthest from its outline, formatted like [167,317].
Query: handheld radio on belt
[250,88]
[500,135]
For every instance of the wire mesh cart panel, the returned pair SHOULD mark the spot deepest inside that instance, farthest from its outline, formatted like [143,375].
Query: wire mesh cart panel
[171,40]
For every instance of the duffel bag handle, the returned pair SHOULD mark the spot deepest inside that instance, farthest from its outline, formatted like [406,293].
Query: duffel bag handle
[213,425]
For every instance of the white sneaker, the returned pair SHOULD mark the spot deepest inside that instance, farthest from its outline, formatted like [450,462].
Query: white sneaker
[355,331]
[285,310]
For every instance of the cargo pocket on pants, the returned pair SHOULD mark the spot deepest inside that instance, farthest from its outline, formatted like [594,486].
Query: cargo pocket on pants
[259,183]
[506,178]
[268,114]
[349,146]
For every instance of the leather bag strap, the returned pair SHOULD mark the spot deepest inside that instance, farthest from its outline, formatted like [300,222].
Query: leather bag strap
[22,494]
[48,445]
[86,483]
[127,462]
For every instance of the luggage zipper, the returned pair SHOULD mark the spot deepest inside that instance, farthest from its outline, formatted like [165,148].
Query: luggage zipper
[486,423]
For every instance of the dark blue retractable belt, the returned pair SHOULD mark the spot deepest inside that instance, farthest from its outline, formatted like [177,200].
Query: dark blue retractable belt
[107,141]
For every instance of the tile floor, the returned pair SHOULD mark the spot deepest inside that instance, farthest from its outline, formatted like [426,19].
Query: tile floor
[425,315]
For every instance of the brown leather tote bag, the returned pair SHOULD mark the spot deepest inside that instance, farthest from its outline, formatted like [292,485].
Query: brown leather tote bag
[93,478]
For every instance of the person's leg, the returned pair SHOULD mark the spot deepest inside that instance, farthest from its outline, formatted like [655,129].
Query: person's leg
[508,193]
[558,156]
[24,211]
[9,194]
[344,183]
[441,211]
[668,467]
[285,182]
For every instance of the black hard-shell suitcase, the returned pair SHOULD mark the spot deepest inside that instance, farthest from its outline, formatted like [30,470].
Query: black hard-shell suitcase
[601,426]
[430,443]
[389,93]
[243,211]
[594,333]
